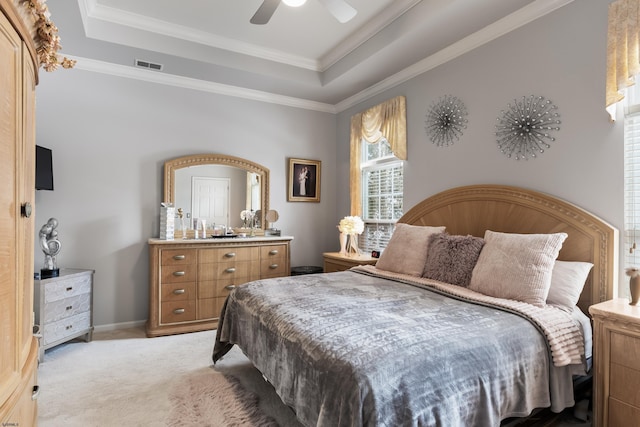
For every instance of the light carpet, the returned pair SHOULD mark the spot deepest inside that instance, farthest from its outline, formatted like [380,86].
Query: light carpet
[124,378]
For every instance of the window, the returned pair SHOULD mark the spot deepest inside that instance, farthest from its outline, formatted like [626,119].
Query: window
[382,193]
[632,177]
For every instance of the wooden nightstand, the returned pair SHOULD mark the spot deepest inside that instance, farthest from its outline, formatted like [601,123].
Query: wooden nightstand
[616,343]
[333,261]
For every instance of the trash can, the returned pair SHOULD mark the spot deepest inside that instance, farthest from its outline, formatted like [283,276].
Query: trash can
[305,269]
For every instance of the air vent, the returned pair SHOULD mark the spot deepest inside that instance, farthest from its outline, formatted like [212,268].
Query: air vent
[149,65]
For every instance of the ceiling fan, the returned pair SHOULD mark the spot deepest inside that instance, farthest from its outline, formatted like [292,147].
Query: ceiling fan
[340,9]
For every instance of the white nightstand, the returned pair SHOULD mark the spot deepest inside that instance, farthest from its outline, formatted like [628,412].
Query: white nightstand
[63,307]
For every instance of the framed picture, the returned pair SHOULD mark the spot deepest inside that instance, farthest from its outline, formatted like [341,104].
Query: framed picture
[304,181]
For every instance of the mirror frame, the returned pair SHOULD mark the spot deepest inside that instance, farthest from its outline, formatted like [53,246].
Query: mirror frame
[170,167]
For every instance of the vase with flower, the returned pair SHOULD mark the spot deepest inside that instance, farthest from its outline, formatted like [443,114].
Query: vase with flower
[634,284]
[350,227]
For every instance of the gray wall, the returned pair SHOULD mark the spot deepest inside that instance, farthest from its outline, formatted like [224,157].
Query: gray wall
[110,137]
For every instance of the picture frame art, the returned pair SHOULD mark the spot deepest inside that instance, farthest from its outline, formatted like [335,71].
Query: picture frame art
[304,180]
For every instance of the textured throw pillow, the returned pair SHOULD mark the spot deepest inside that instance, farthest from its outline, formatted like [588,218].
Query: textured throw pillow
[517,266]
[407,249]
[567,281]
[451,259]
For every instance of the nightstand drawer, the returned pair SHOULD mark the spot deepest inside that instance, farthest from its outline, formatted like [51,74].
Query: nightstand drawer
[623,384]
[67,307]
[66,288]
[625,350]
[63,328]
[620,413]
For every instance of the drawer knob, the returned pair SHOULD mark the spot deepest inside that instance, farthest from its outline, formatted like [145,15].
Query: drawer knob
[230,287]
[178,273]
[273,252]
[35,393]
[69,327]
[178,311]
[230,270]
[179,291]
[179,257]
[70,288]
[273,266]
[69,307]
[230,254]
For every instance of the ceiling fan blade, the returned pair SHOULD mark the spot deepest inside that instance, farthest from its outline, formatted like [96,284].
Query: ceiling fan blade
[265,12]
[342,10]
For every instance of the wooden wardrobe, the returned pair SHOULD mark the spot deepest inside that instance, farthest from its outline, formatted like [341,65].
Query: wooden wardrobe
[18,347]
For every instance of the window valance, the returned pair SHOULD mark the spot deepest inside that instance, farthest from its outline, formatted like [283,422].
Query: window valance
[623,57]
[388,120]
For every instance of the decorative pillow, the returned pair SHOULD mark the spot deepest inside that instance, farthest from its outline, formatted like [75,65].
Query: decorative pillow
[451,259]
[567,281]
[517,266]
[407,249]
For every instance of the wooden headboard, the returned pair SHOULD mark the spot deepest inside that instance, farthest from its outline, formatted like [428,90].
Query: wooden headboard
[476,208]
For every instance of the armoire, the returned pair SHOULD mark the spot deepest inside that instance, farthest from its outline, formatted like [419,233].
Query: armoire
[18,347]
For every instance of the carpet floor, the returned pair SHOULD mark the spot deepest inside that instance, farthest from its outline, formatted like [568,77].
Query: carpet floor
[124,378]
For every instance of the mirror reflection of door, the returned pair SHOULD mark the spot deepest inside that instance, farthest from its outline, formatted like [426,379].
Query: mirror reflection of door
[210,200]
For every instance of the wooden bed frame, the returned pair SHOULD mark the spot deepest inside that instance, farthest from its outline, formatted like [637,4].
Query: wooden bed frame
[476,208]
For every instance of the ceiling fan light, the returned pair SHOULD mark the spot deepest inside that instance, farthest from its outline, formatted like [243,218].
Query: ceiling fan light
[294,3]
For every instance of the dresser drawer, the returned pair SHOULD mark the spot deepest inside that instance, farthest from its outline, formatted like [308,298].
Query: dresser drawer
[210,308]
[63,328]
[273,268]
[226,254]
[178,311]
[178,273]
[273,251]
[178,257]
[178,291]
[67,307]
[221,287]
[68,287]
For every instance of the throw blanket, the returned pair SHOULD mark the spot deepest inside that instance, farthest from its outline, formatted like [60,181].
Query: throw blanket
[353,349]
[563,335]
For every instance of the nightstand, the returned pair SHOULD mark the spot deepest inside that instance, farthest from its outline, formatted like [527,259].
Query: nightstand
[63,307]
[616,354]
[333,261]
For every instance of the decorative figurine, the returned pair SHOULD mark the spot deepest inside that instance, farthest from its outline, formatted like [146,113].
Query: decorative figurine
[51,247]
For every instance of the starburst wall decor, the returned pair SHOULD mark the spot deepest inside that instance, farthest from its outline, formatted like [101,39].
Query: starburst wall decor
[524,129]
[446,120]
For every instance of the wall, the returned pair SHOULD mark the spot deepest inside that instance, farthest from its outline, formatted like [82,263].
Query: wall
[110,137]
[562,57]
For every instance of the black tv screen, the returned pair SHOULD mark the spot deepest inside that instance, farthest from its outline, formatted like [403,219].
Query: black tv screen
[44,168]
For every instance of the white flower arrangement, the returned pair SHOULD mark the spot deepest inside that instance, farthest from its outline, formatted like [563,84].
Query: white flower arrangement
[351,225]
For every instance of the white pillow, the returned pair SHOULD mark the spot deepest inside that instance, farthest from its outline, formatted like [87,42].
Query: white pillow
[516,266]
[567,281]
[406,251]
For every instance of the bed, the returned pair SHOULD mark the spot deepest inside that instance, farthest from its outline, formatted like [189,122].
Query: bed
[473,314]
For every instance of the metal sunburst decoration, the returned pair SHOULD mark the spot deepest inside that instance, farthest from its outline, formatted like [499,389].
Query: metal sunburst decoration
[446,120]
[524,130]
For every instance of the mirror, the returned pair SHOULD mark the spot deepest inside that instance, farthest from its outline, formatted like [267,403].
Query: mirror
[217,187]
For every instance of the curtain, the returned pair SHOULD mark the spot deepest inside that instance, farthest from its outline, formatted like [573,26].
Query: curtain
[623,62]
[388,119]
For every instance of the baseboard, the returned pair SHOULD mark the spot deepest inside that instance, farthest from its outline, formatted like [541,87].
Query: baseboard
[116,326]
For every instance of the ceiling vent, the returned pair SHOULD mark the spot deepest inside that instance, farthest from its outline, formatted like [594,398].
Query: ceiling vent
[149,65]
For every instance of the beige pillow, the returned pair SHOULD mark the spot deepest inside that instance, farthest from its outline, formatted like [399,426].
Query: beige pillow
[517,266]
[567,281]
[407,249]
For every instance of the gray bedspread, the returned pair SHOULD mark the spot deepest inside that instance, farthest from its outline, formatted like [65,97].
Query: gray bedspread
[349,349]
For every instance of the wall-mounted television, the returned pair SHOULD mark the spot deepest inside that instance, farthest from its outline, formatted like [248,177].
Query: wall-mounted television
[44,168]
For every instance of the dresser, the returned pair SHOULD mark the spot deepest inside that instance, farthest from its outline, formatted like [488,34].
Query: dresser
[334,261]
[617,363]
[18,346]
[190,279]
[63,307]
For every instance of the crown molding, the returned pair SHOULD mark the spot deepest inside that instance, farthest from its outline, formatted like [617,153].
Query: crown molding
[118,70]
